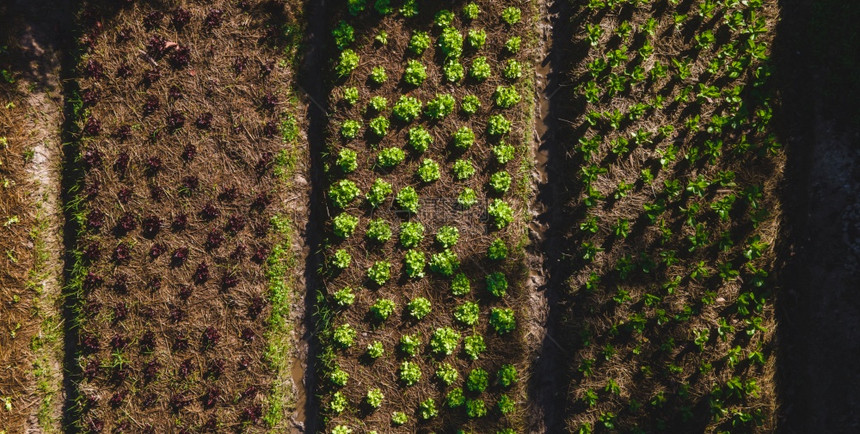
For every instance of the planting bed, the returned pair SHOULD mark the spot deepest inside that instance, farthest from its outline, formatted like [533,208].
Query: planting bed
[426,161]
[188,139]
[669,319]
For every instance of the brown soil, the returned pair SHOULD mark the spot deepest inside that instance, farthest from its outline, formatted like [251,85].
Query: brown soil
[31,122]
[188,338]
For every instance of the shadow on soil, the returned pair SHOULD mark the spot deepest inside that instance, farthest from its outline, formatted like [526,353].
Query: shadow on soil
[816,70]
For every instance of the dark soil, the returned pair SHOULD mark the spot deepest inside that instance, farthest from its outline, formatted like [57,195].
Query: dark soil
[819,307]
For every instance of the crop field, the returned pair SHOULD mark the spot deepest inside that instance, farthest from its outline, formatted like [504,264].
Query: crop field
[415,216]
[424,257]
[183,263]
[671,315]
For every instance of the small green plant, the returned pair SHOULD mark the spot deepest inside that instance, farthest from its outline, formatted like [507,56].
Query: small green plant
[379,126]
[470,104]
[507,375]
[411,234]
[476,408]
[497,125]
[451,43]
[410,373]
[480,70]
[428,170]
[414,263]
[471,11]
[446,373]
[419,42]
[497,250]
[410,344]
[503,152]
[344,297]
[343,192]
[382,309]
[356,7]
[464,138]
[502,320]
[347,160]
[461,285]
[381,38]
[406,109]
[467,197]
[427,409]
[463,169]
[344,335]
[447,236]
[501,214]
[455,398]
[454,71]
[512,45]
[347,62]
[383,7]
[444,263]
[375,350]
[440,106]
[418,307]
[341,429]
[444,341]
[444,18]
[390,157]
[379,272]
[505,405]
[344,34]
[506,96]
[338,402]
[378,230]
[476,39]
[350,95]
[350,129]
[415,73]
[377,104]
[478,380]
[513,70]
[419,139]
[374,398]
[378,75]
[407,199]
[497,284]
[341,259]
[500,181]
[344,225]
[338,376]
[473,346]
[399,418]
[378,192]
[512,15]
[467,313]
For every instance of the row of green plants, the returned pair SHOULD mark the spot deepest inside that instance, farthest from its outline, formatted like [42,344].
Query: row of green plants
[675,151]
[415,305]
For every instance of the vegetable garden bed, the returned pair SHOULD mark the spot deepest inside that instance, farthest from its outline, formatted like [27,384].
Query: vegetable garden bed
[428,140]
[189,138]
[669,318]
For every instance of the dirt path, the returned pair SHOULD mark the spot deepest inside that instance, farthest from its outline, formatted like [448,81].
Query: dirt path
[36,48]
[545,390]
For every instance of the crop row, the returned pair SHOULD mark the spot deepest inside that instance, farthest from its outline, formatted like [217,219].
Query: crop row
[187,138]
[671,301]
[423,271]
